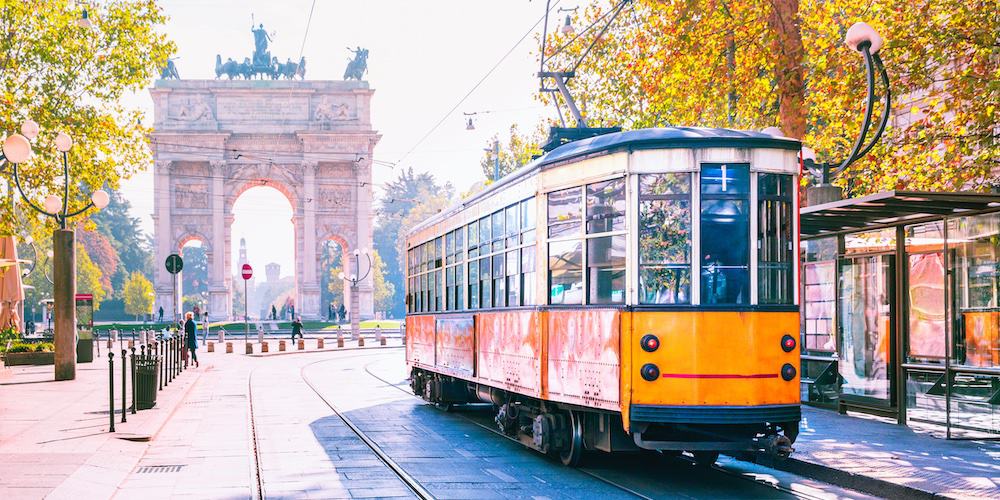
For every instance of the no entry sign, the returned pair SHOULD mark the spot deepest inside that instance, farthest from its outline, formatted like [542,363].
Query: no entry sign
[247,271]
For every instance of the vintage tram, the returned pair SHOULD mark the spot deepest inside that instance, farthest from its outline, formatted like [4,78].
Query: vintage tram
[633,290]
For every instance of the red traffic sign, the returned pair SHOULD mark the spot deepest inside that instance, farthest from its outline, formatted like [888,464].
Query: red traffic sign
[247,271]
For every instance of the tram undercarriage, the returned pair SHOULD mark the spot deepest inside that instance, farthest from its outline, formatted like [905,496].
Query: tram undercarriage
[567,431]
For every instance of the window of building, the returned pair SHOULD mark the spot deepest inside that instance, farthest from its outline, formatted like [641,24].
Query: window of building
[566,272]
[665,238]
[725,233]
[606,206]
[775,239]
[564,212]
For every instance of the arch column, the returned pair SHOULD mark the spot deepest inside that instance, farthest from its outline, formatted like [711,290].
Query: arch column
[364,301]
[220,301]
[163,281]
[308,286]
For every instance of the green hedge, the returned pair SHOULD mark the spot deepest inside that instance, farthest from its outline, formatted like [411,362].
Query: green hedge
[27,347]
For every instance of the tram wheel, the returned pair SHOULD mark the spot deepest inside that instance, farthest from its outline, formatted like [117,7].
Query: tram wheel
[705,458]
[573,453]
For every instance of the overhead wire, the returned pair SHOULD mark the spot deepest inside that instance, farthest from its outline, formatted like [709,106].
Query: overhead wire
[306,34]
[478,83]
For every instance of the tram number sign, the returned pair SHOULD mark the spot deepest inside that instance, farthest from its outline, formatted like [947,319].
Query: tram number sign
[174,263]
[247,271]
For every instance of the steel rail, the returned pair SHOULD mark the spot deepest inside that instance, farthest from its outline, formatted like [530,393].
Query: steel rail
[257,484]
[596,475]
[411,483]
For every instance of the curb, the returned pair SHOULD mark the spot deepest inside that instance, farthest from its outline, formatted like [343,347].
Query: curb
[850,480]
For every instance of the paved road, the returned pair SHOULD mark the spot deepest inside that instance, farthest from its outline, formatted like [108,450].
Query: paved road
[304,450]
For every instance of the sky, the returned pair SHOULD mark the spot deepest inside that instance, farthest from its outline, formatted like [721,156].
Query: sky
[424,56]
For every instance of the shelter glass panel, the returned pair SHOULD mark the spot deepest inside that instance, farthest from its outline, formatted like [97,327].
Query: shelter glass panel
[974,243]
[925,336]
[819,292]
[865,322]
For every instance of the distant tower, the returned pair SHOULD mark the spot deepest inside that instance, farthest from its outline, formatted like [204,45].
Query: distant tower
[243,254]
[273,272]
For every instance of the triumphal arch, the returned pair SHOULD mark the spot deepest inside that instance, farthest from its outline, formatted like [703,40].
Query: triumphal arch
[214,139]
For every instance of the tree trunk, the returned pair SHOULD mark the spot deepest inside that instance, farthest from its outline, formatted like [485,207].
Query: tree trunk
[789,73]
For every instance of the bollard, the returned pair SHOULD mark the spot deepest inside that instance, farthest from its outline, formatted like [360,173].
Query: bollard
[229,347]
[249,347]
[142,356]
[124,369]
[319,343]
[361,340]
[111,389]
[382,340]
[166,363]
[211,346]
[302,344]
[340,340]
[134,392]
[281,345]
[159,365]
[263,346]
[131,344]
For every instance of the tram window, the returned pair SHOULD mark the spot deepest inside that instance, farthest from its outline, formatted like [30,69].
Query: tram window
[459,245]
[606,270]
[566,272]
[498,230]
[438,252]
[484,235]
[528,276]
[422,302]
[564,213]
[725,228]
[473,284]
[459,290]
[606,206]
[498,281]
[511,221]
[528,220]
[449,289]
[473,239]
[513,279]
[449,248]
[485,290]
[775,257]
[665,238]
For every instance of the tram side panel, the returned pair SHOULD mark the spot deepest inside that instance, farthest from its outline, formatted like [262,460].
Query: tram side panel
[510,351]
[420,340]
[455,345]
[584,366]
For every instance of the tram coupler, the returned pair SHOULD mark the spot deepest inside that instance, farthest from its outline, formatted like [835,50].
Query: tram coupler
[776,445]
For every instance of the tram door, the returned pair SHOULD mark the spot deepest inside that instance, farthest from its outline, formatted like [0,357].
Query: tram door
[866,324]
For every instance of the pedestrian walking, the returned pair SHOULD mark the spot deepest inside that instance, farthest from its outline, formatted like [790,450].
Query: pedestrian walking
[190,334]
[342,312]
[297,328]
[161,314]
[274,313]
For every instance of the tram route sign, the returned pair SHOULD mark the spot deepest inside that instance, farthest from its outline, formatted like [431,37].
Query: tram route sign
[174,263]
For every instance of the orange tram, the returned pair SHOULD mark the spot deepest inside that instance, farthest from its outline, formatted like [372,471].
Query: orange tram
[634,290]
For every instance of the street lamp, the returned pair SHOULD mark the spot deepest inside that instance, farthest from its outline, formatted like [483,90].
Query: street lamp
[567,28]
[356,278]
[867,42]
[17,150]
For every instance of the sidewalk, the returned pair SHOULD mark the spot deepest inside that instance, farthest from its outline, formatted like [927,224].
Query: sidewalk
[891,460]
[54,439]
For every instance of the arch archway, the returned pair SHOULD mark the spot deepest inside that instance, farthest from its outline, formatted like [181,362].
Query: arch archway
[263,232]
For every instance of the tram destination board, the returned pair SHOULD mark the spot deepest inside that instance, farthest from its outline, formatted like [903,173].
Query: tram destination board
[174,263]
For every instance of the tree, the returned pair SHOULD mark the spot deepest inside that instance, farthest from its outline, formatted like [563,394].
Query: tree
[331,286]
[137,294]
[384,290]
[70,78]
[762,63]
[402,194]
[88,276]
[519,150]
[103,254]
[194,277]
[125,234]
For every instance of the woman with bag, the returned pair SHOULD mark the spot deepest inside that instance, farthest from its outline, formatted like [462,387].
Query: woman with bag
[191,337]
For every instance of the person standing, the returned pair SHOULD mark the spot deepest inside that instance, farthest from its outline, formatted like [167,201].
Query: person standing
[297,328]
[274,313]
[161,314]
[342,313]
[190,336]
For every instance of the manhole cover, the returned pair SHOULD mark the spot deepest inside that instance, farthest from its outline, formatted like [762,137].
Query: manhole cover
[158,469]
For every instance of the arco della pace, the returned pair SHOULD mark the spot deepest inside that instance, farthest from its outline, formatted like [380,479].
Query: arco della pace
[310,140]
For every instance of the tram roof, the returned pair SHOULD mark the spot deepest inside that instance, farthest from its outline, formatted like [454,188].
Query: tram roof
[890,208]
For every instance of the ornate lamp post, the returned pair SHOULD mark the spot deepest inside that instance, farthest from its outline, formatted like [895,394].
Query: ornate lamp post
[867,42]
[16,150]
[356,278]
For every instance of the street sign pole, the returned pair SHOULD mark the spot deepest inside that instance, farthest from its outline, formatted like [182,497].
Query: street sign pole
[247,273]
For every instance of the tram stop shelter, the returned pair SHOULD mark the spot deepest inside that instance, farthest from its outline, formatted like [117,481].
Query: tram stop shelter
[901,308]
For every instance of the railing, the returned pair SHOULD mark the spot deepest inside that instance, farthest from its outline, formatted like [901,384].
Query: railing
[148,369]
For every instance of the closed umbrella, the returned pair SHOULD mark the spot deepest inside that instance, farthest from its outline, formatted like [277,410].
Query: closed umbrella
[11,291]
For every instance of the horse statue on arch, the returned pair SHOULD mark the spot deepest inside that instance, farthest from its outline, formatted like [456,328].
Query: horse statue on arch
[289,70]
[358,66]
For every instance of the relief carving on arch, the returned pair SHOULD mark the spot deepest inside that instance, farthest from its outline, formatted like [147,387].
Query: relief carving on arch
[191,196]
[334,197]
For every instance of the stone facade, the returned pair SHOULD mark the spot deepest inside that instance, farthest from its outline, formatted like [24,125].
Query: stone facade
[311,140]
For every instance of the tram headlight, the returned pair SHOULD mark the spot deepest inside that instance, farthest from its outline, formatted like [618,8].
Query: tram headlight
[649,342]
[649,372]
[787,343]
[788,372]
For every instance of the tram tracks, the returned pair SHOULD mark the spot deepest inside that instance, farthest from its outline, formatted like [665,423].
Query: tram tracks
[596,474]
